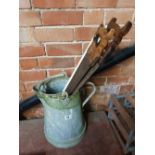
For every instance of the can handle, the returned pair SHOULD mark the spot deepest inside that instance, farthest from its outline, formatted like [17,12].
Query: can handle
[90,95]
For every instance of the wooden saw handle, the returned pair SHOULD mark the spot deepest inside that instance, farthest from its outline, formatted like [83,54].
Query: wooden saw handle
[100,42]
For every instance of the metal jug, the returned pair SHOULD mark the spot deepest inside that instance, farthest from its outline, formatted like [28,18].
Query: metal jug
[64,124]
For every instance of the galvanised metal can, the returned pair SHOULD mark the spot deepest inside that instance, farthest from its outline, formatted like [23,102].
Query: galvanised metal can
[64,124]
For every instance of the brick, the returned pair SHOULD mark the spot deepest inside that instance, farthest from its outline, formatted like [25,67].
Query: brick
[88,89]
[21,86]
[122,15]
[26,64]
[84,33]
[128,67]
[76,60]
[26,95]
[24,4]
[32,75]
[62,17]
[96,3]
[56,62]
[128,62]
[36,111]
[53,3]
[126,89]
[114,70]
[20,96]
[93,17]
[130,34]
[130,70]
[58,71]
[106,100]
[32,50]
[133,19]
[132,41]
[64,49]
[102,107]
[109,89]
[53,34]
[98,80]
[132,79]
[117,80]
[29,85]
[26,34]
[100,99]
[85,45]
[124,44]
[29,18]
[126,3]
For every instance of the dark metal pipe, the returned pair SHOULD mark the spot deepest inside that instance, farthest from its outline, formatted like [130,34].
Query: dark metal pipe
[27,104]
[116,58]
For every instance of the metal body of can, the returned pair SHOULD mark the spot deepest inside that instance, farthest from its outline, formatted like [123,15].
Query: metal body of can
[64,124]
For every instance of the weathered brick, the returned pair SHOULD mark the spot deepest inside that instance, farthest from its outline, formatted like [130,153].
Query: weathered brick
[24,4]
[76,60]
[96,3]
[122,15]
[64,49]
[130,70]
[21,86]
[57,71]
[124,89]
[62,17]
[130,34]
[34,112]
[117,80]
[84,33]
[53,3]
[53,34]
[109,89]
[101,100]
[31,50]
[114,70]
[26,34]
[85,45]
[126,3]
[133,19]
[26,95]
[132,79]
[20,96]
[124,44]
[101,107]
[29,85]
[98,80]
[93,17]
[29,18]
[56,62]
[26,64]
[32,75]
[132,42]
[128,67]
[128,62]
[97,99]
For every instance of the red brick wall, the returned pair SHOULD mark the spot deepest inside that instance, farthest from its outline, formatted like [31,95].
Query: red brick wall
[54,34]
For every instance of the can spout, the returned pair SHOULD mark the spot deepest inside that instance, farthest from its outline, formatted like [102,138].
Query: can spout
[52,85]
